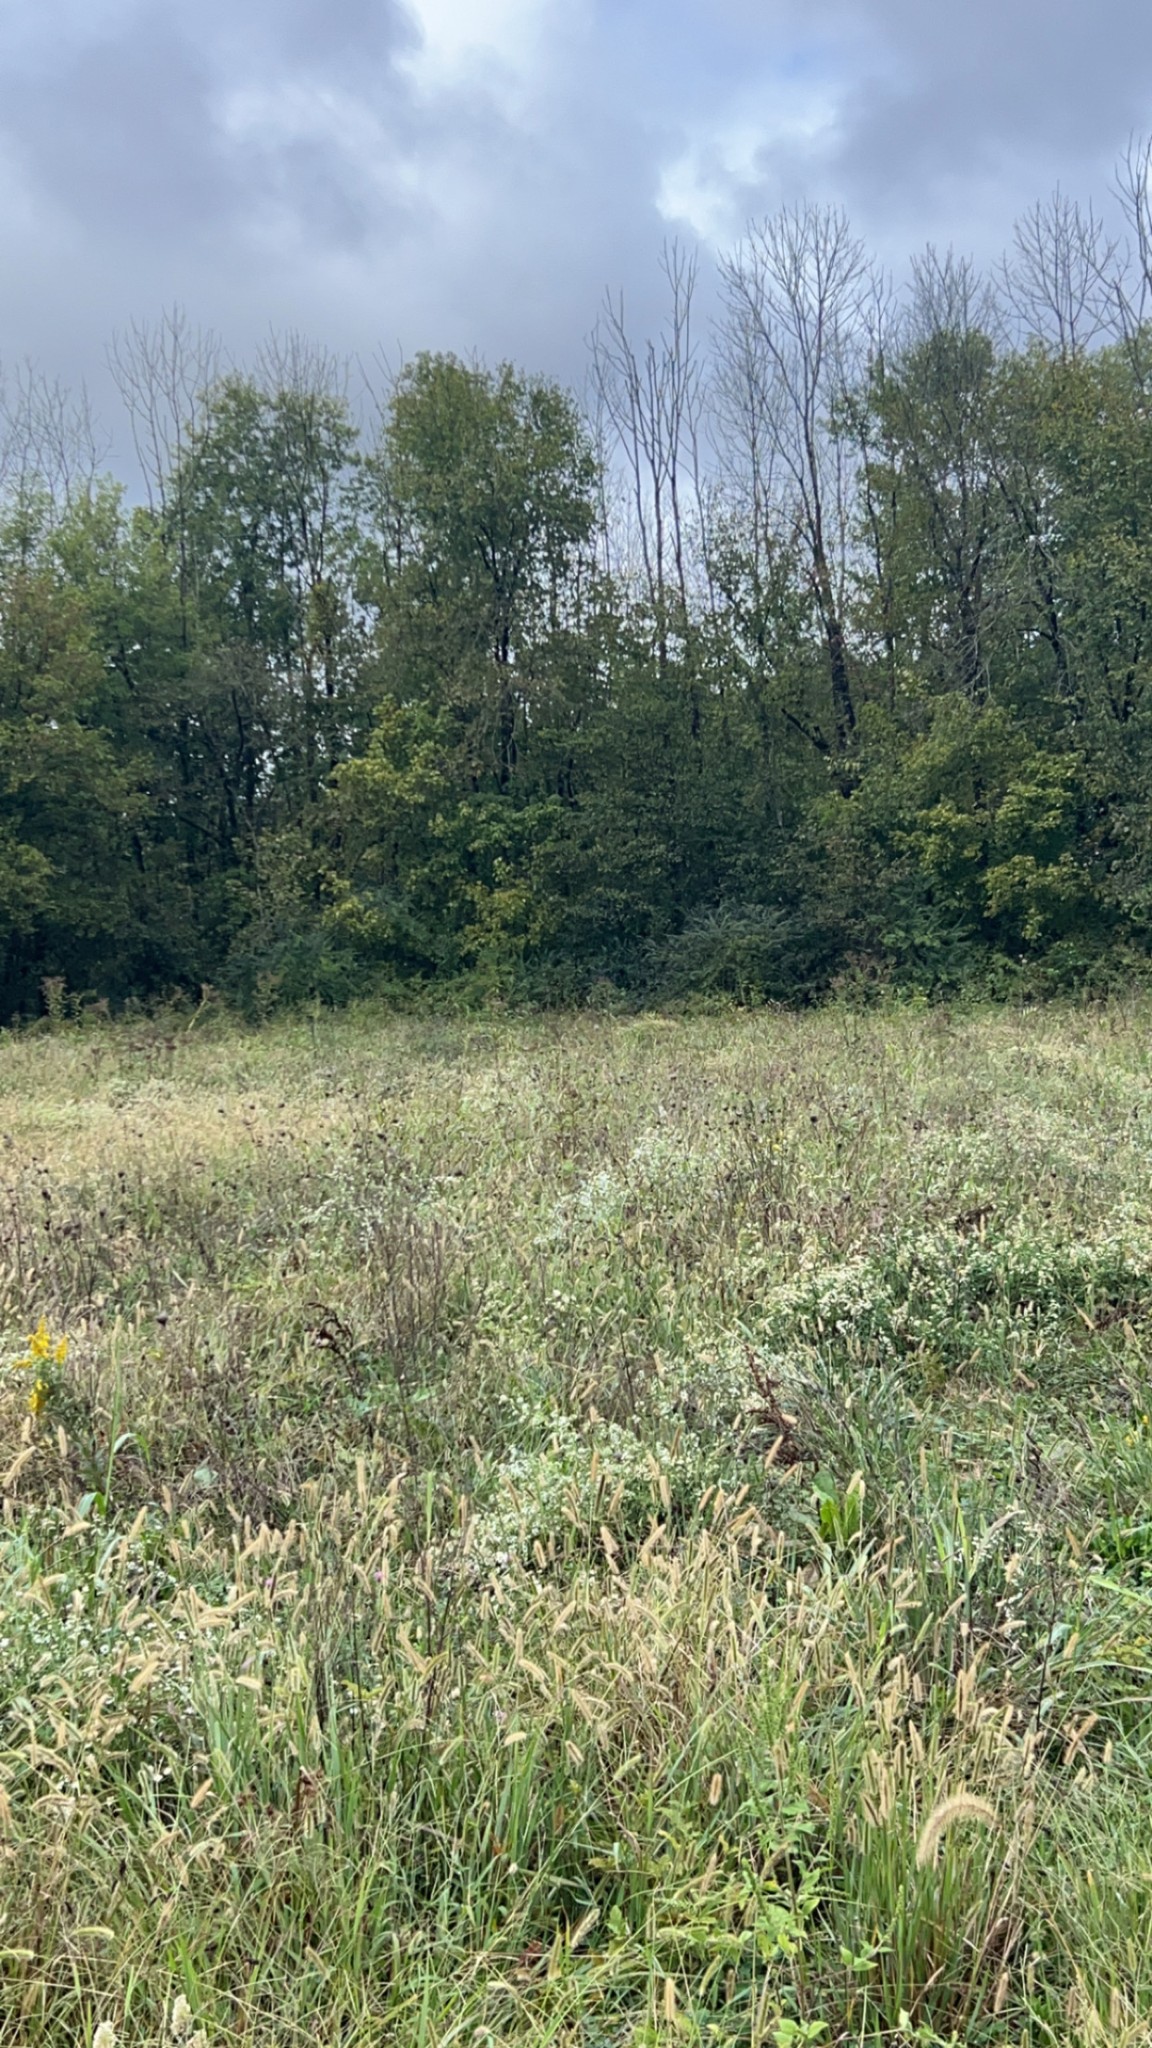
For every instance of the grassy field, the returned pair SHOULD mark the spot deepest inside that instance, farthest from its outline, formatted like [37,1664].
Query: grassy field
[594,1531]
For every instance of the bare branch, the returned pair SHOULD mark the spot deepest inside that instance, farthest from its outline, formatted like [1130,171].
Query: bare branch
[48,442]
[163,374]
[798,290]
[651,401]
[1060,277]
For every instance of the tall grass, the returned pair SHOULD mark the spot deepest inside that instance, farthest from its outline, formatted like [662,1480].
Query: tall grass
[602,1531]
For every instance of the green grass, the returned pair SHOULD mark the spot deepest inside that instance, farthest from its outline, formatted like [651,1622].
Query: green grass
[538,1517]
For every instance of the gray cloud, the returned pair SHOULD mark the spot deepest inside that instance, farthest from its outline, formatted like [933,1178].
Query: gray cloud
[458,176]
[117,136]
[945,119]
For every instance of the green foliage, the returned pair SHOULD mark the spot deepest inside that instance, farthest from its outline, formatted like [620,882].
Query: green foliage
[70,796]
[333,715]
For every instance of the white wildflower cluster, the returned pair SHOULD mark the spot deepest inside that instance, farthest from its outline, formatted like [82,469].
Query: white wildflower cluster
[941,1290]
[832,1299]
[581,1480]
[659,1169]
[660,1161]
[597,1204]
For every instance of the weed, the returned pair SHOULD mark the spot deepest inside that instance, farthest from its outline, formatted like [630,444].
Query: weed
[599,1532]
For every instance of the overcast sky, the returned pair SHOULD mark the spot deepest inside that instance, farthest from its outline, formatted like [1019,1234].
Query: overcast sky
[471,174]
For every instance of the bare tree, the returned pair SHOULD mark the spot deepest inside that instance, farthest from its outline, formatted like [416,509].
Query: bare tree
[949,296]
[1132,282]
[651,400]
[745,442]
[792,344]
[1059,277]
[48,444]
[878,479]
[1126,276]
[163,373]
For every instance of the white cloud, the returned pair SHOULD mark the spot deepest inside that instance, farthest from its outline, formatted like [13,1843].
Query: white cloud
[792,120]
[461,41]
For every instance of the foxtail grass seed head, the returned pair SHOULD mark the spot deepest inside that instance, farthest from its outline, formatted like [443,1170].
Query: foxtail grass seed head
[584,1927]
[961,1806]
[243,1589]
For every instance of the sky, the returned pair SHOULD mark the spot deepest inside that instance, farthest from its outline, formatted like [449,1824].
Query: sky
[391,175]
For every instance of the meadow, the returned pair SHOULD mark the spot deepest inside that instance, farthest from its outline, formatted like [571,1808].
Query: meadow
[590,1532]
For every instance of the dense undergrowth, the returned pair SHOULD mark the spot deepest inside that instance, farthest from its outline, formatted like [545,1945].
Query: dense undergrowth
[598,1531]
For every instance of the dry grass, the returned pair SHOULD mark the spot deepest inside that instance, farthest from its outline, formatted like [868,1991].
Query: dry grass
[598,1531]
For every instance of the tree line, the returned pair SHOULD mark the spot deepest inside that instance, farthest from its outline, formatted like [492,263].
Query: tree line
[812,648]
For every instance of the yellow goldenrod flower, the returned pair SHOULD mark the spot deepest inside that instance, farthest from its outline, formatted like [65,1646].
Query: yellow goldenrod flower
[42,1349]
